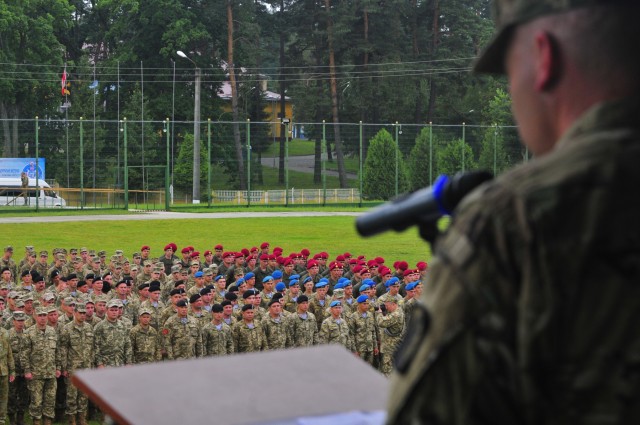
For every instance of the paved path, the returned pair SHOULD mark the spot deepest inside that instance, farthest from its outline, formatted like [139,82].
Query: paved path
[163,215]
[301,163]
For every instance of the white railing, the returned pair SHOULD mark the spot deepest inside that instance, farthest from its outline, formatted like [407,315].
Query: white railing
[277,197]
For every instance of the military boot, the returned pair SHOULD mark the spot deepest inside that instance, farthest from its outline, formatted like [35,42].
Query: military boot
[19,419]
[81,418]
[46,421]
[37,421]
[72,419]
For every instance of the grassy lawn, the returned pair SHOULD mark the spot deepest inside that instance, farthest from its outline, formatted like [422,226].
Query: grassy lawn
[297,147]
[332,234]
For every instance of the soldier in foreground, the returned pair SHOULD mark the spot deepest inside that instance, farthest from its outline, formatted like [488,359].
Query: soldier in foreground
[530,313]
[41,362]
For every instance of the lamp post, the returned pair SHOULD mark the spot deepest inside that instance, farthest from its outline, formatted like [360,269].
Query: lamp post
[196,131]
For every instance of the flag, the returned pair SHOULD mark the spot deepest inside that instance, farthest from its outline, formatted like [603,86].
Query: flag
[63,82]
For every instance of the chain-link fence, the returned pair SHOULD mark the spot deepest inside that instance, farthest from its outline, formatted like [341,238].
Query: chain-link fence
[149,164]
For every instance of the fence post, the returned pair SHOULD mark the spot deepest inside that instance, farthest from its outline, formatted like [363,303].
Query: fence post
[286,163]
[464,144]
[126,168]
[495,148]
[430,152]
[397,150]
[248,162]
[166,171]
[209,192]
[324,163]
[360,177]
[37,174]
[82,163]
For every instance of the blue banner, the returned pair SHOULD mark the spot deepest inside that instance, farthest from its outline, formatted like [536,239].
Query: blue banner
[12,167]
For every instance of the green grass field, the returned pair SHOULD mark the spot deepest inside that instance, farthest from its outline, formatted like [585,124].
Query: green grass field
[332,234]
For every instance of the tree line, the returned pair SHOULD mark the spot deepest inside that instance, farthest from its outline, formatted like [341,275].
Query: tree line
[340,61]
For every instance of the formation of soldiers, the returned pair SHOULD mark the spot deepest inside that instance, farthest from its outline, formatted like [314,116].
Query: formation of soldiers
[84,310]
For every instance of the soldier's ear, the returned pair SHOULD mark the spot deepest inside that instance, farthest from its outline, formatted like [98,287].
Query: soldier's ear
[548,63]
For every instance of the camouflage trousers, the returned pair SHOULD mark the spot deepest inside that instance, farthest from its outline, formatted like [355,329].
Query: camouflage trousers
[43,398]
[367,356]
[77,401]
[18,396]
[4,397]
[386,363]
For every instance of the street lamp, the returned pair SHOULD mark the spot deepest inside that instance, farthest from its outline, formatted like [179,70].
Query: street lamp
[196,131]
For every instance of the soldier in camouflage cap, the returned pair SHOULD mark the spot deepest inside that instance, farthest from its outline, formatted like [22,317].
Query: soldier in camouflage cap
[40,358]
[527,314]
[76,352]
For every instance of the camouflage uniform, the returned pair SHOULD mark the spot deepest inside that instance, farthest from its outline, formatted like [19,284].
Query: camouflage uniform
[365,339]
[76,352]
[157,310]
[336,331]
[302,330]
[18,390]
[534,285]
[7,368]
[217,340]
[41,357]
[319,309]
[248,337]
[391,328]
[112,344]
[182,338]
[145,344]
[275,332]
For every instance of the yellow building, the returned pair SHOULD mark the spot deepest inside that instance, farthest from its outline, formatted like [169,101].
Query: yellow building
[271,109]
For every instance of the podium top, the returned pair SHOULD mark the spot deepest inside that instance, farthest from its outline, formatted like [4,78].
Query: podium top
[255,388]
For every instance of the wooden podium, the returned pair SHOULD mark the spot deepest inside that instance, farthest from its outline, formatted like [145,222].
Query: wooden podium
[320,384]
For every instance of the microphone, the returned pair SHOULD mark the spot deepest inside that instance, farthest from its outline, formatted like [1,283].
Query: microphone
[422,206]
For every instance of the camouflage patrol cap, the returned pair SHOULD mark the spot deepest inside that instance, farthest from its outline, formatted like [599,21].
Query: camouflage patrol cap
[29,248]
[41,311]
[102,253]
[73,250]
[19,303]
[13,294]
[69,301]
[20,316]
[60,256]
[50,309]
[114,303]
[49,296]
[338,293]
[145,311]
[176,268]
[96,260]
[80,308]
[44,253]
[508,14]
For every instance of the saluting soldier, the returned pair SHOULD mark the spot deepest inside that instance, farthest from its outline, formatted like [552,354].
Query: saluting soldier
[390,320]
